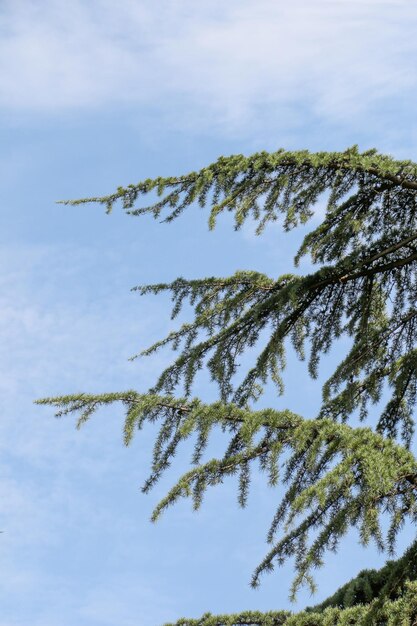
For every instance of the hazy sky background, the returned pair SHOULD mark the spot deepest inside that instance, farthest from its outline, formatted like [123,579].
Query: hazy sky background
[102,93]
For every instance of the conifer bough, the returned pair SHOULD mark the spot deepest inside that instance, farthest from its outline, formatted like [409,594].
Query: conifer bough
[336,476]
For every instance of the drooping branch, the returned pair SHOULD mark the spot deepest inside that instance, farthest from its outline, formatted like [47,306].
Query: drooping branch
[232,315]
[301,175]
[336,476]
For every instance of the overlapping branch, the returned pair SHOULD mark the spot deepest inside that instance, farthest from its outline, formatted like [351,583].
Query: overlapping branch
[365,289]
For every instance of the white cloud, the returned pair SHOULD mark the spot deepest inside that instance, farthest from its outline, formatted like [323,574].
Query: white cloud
[229,61]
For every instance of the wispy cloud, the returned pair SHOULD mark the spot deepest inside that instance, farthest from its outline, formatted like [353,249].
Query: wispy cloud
[233,61]
[58,340]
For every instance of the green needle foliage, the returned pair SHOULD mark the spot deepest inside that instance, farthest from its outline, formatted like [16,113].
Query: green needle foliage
[336,476]
[386,583]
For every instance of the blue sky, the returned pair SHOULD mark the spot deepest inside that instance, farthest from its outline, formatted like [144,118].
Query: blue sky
[98,94]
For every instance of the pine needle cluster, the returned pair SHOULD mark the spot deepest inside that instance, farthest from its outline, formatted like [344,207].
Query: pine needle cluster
[336,476]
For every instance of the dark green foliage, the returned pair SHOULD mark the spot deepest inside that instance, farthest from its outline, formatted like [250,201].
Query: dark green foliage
[400,612]
[364,289]
[387,583]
